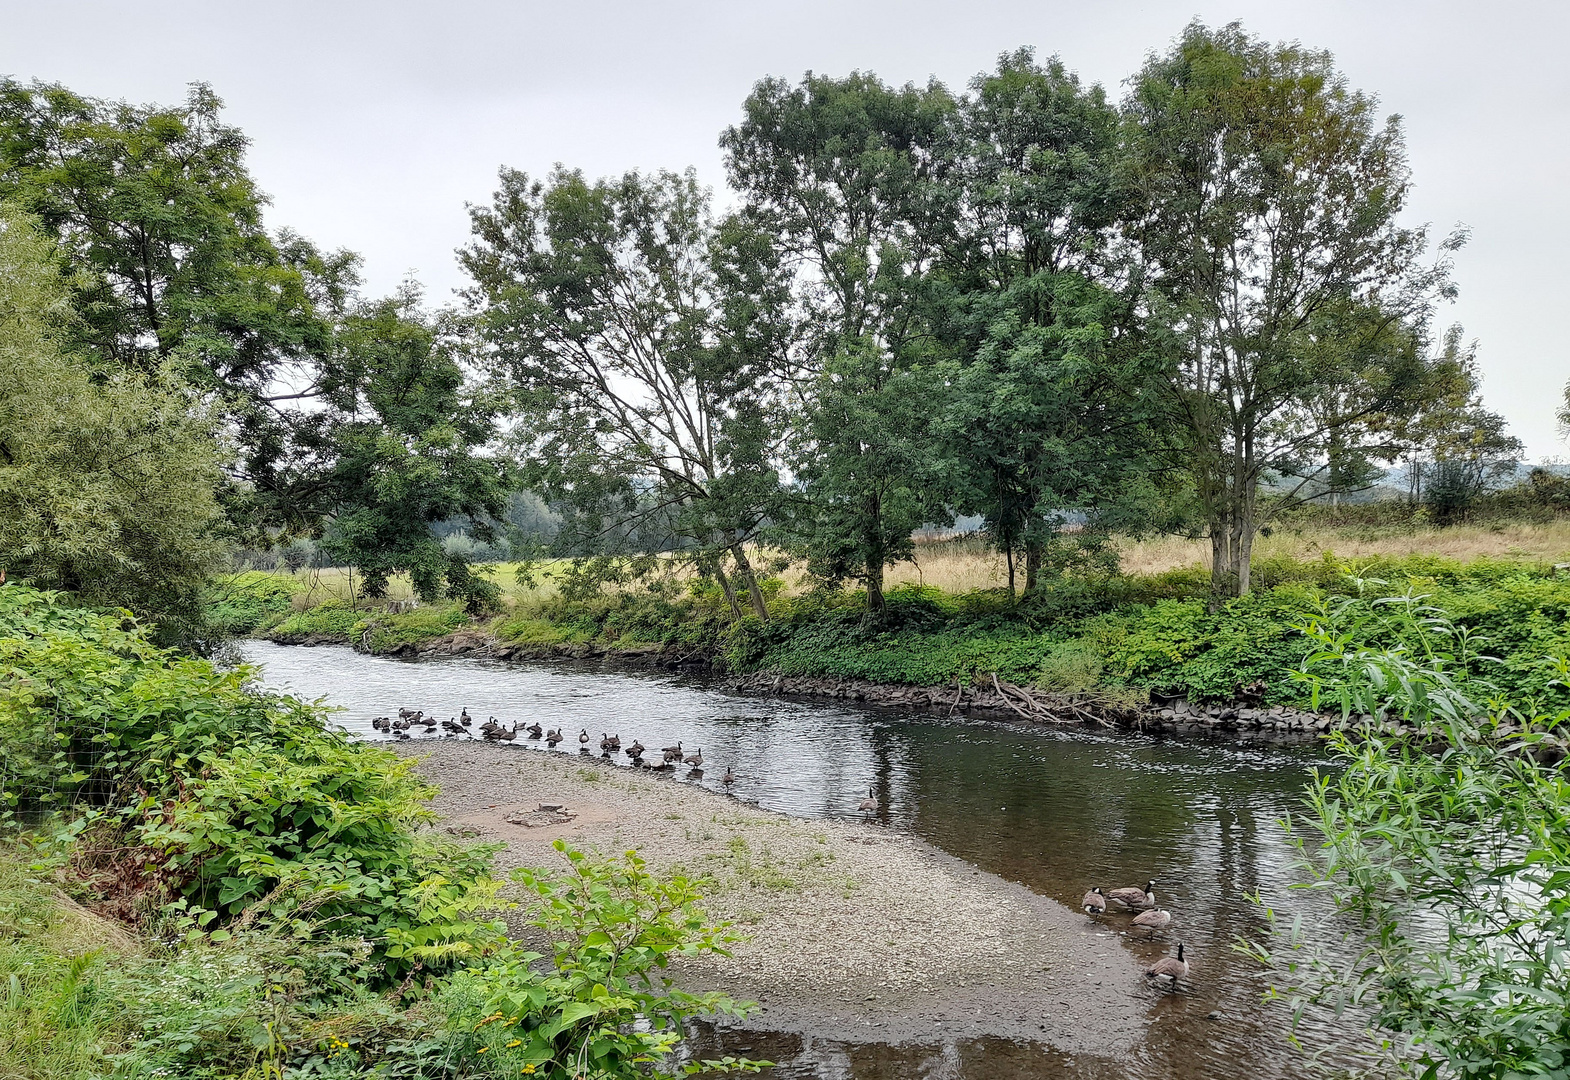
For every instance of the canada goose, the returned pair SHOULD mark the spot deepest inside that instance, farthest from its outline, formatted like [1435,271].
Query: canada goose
[510,734]
[635,750]
[672,753]
[583,736]
[1153,920]
[671,749]
[1135,897]
[1095,902]
[869,805]
[535,730]
[605,743]
[729,778]
[553,737]
[694,759]
[615,742]
[464,717]
[1171,968]
[404,714]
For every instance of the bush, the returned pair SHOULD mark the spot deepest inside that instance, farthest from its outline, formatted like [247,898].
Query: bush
[240,604]
[604,1007]
[209,793]
[1445,847]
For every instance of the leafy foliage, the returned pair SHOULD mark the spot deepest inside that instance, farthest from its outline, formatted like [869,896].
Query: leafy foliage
[241,802]
[1442,848]
[106,475]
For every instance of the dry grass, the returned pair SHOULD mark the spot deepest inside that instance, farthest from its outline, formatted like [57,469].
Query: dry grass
[339,583]
[966,564]
[1464,543]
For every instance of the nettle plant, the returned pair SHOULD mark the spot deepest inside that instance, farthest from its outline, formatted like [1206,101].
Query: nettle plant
[604,1005]
[1443,847]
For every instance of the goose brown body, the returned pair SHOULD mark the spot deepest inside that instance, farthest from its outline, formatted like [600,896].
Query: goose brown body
[1153,920]
[1136,898]
[1171,968]
[1095,901]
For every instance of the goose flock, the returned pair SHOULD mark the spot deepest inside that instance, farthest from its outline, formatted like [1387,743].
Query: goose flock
[410,722]
[1169,970]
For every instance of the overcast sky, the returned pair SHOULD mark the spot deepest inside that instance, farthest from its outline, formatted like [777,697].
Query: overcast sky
[374,123]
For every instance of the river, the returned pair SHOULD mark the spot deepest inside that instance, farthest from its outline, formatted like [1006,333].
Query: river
[1057,810]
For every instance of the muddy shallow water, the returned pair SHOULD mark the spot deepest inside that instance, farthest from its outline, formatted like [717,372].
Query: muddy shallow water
[1052,809]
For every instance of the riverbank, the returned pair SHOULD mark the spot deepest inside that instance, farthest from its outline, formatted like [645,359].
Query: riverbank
[855,932]
[1143,652]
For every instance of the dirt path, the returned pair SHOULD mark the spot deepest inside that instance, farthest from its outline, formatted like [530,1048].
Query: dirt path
[856,932]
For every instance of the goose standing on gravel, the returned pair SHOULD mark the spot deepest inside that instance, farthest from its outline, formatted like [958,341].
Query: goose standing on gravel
[1095,902]
[1134,898]
[1170,969]
[1153,920]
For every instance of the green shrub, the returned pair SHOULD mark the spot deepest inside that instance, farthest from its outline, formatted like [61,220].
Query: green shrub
[233,800]
[604,1007]
[1445,847]
[240,604]
[334,620]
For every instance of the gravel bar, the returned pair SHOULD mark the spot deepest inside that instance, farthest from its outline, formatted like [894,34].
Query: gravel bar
[855,931]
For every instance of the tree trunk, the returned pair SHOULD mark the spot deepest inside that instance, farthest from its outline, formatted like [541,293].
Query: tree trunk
[875,589]
[728,589]
[1032,566]
[874,554]
[1008,555]
[750,579]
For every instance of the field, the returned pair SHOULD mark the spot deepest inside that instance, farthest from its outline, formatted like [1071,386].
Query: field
[964,565]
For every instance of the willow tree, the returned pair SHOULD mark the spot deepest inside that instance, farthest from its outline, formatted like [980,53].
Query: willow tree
[605,302]
[106,475]
[1287,306]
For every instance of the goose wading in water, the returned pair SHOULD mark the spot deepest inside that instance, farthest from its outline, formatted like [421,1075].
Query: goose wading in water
[553,737]
[869,805]
[1134,898]
[729,778]
[1095,902]
[1153,920]
[694,759]
[583,737]
[1169,969]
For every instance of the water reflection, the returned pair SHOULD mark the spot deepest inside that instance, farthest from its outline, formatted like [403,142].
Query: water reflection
[1057,811]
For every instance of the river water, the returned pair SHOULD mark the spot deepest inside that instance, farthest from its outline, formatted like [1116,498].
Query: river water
[1055,810]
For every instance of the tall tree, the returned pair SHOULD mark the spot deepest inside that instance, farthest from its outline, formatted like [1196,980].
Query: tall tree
[606,303]
[836,170]
[1027,296]
[405,434]
[160,224]
[106,474]
[1287,306]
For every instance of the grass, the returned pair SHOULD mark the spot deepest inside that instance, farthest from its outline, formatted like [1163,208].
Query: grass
[965,565]
[55,1021]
